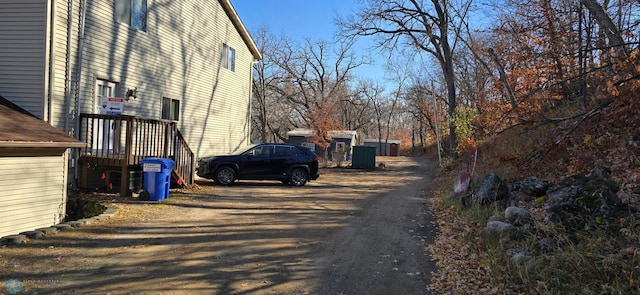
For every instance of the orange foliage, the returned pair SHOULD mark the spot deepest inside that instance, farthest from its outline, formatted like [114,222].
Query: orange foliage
[321,120]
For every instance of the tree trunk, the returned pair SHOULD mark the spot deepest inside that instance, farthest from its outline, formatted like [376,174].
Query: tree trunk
[503,79]
[610,29]
[450,78]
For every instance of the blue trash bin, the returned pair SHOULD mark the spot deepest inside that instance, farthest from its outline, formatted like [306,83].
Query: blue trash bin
[157,177]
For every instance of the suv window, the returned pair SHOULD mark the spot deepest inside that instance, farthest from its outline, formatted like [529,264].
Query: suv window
[262,151]
[284,151]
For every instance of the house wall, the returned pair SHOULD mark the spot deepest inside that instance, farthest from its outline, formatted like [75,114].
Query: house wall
[296,140]
[32,190]
[177,57]
[23,49]
[348,142]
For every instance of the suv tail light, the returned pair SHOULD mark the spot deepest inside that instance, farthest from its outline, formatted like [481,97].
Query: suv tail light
[317,159]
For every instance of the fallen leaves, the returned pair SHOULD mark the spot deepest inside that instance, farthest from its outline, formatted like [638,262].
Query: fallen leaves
[460,268]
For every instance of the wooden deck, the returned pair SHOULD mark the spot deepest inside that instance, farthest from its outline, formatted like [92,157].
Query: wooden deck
[119,142]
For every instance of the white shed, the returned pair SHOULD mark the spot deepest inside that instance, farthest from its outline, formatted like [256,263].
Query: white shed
[384,147]
[33,171]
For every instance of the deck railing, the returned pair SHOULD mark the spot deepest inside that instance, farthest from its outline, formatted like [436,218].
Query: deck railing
[123,141]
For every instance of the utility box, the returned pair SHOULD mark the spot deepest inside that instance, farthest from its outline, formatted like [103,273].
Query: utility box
[364,157]
[157,177]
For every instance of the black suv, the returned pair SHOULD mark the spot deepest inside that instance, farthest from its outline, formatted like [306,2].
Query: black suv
[291,164]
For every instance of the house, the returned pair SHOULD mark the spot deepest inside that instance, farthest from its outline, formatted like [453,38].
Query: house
[33,171]
[131,79]
[342,143]
[300,136]
[384,147]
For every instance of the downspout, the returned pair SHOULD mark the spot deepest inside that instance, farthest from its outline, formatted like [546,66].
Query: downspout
[78,67]
[50,69]
[77,74]
[67,68]
[249,123]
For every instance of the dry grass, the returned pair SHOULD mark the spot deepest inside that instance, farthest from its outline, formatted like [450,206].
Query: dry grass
[598,260]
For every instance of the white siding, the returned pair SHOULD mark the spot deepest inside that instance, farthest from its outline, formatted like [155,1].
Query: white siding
[23,25]
[177,57]
[32,193]
[62,63]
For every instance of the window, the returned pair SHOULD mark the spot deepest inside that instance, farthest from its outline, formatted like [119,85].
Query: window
[262,151]
[103,89]
[228,58]
[284,151]
[170,109]
[132,12]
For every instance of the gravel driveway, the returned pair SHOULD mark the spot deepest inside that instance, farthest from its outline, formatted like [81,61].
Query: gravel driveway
[349,232]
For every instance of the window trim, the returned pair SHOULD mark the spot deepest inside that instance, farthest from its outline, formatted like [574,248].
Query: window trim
[228,57]
[173,111]
[124,12]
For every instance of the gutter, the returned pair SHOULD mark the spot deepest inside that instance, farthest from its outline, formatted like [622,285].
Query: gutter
[31,144]
[235,19]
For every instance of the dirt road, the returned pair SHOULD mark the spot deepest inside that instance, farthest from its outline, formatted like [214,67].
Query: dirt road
[349,232]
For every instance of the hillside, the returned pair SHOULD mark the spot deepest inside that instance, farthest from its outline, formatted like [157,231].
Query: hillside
[571,139]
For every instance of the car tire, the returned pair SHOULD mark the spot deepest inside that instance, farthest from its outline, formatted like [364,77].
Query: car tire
[225,176]
[298,177]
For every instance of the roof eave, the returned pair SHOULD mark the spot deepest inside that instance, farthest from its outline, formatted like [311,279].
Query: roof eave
[29,144]
[235,19]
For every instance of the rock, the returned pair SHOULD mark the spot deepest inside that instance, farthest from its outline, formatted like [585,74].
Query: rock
[568,213]
[62,226]
[518,256]
[518,216]
[582,202]
[75,223]
[530,186]
[515,251]
[600,173]
[561,193]
[48,230]
[15,239]
[33,234]
[491,189]
[500,227]
[498,218]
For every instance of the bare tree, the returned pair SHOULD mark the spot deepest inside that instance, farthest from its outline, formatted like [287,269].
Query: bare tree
[424,25]
[374,93]
[608,26]
[273,114]
[313,83]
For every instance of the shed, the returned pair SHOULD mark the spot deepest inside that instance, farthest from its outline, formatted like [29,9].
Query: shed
[384,147]
[342,143]
[33,171]
[299,136]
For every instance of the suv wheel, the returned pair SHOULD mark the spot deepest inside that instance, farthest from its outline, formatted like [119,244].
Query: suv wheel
[225,176]
[298,177]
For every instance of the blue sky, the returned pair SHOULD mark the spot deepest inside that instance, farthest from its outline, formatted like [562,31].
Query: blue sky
[315,19]
[299,19]
[294,18]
